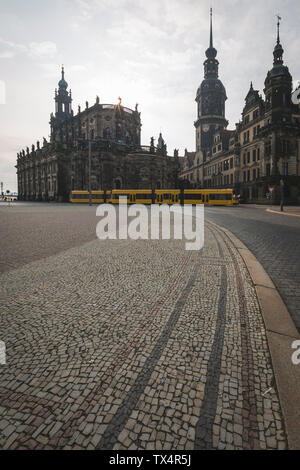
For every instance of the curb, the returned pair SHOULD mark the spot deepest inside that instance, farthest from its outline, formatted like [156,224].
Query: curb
[282,213]
[281,333]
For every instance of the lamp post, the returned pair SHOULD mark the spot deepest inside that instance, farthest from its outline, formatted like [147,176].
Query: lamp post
[281,194]
[90,188]
[90,140]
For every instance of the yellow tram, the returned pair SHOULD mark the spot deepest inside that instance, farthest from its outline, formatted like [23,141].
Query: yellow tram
[210,197]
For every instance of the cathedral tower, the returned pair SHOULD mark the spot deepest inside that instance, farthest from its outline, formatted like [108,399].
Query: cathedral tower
[63,99]
[211,97]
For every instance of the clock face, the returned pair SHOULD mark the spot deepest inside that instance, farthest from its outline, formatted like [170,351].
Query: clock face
[205,128]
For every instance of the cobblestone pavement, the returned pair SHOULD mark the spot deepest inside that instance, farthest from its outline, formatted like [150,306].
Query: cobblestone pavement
[275,240]
[136,345]
[31,231]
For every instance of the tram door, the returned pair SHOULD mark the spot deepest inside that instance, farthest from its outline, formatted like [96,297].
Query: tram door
[132,198]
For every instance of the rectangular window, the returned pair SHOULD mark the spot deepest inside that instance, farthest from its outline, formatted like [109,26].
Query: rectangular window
[220,197]
[248,175]
[285,147]
[268,169]
[268,148]
[244,177]
[285,168]
[258,154]
[284,99]
[248,157]
[254,155]
[254,174]
[231,163]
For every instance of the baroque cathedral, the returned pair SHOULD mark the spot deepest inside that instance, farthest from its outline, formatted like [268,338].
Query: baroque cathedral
[111,135]
[263,152]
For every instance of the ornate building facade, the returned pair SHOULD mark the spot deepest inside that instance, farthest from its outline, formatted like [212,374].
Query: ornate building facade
[262,150]
[118,160]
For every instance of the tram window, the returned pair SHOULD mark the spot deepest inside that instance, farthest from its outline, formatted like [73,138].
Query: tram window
[220,197]
[196,196]
[143,196]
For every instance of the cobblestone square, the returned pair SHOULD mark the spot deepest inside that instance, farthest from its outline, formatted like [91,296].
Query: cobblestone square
[136,345]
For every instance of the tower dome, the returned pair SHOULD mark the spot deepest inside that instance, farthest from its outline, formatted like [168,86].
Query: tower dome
[62,82]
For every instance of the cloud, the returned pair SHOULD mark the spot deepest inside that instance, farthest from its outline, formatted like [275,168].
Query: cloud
[6,55]
[10,49]
[35,50]
[42,49]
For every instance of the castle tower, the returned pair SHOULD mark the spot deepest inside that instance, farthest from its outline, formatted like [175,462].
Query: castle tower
[278,87]
[210,98]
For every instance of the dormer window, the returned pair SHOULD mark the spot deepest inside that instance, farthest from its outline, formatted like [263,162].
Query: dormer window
[255,114]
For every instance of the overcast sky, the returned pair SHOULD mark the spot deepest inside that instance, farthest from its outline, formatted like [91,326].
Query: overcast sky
[149,52]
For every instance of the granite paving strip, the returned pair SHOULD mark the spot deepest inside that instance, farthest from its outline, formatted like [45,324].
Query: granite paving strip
[204,427]
[261,416]
[250,425]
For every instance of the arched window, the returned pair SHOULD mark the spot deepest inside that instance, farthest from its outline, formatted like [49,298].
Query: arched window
[106,133]
[118,183]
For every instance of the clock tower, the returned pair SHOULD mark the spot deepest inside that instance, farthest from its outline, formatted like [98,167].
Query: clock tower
[211,97]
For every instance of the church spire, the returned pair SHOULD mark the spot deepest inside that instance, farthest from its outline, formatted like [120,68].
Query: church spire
[211,52]
[211,33]
[278,50]
[278,26]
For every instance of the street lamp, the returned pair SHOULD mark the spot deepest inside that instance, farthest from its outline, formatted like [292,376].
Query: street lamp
[90,189]
[90,139]
[281,194]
